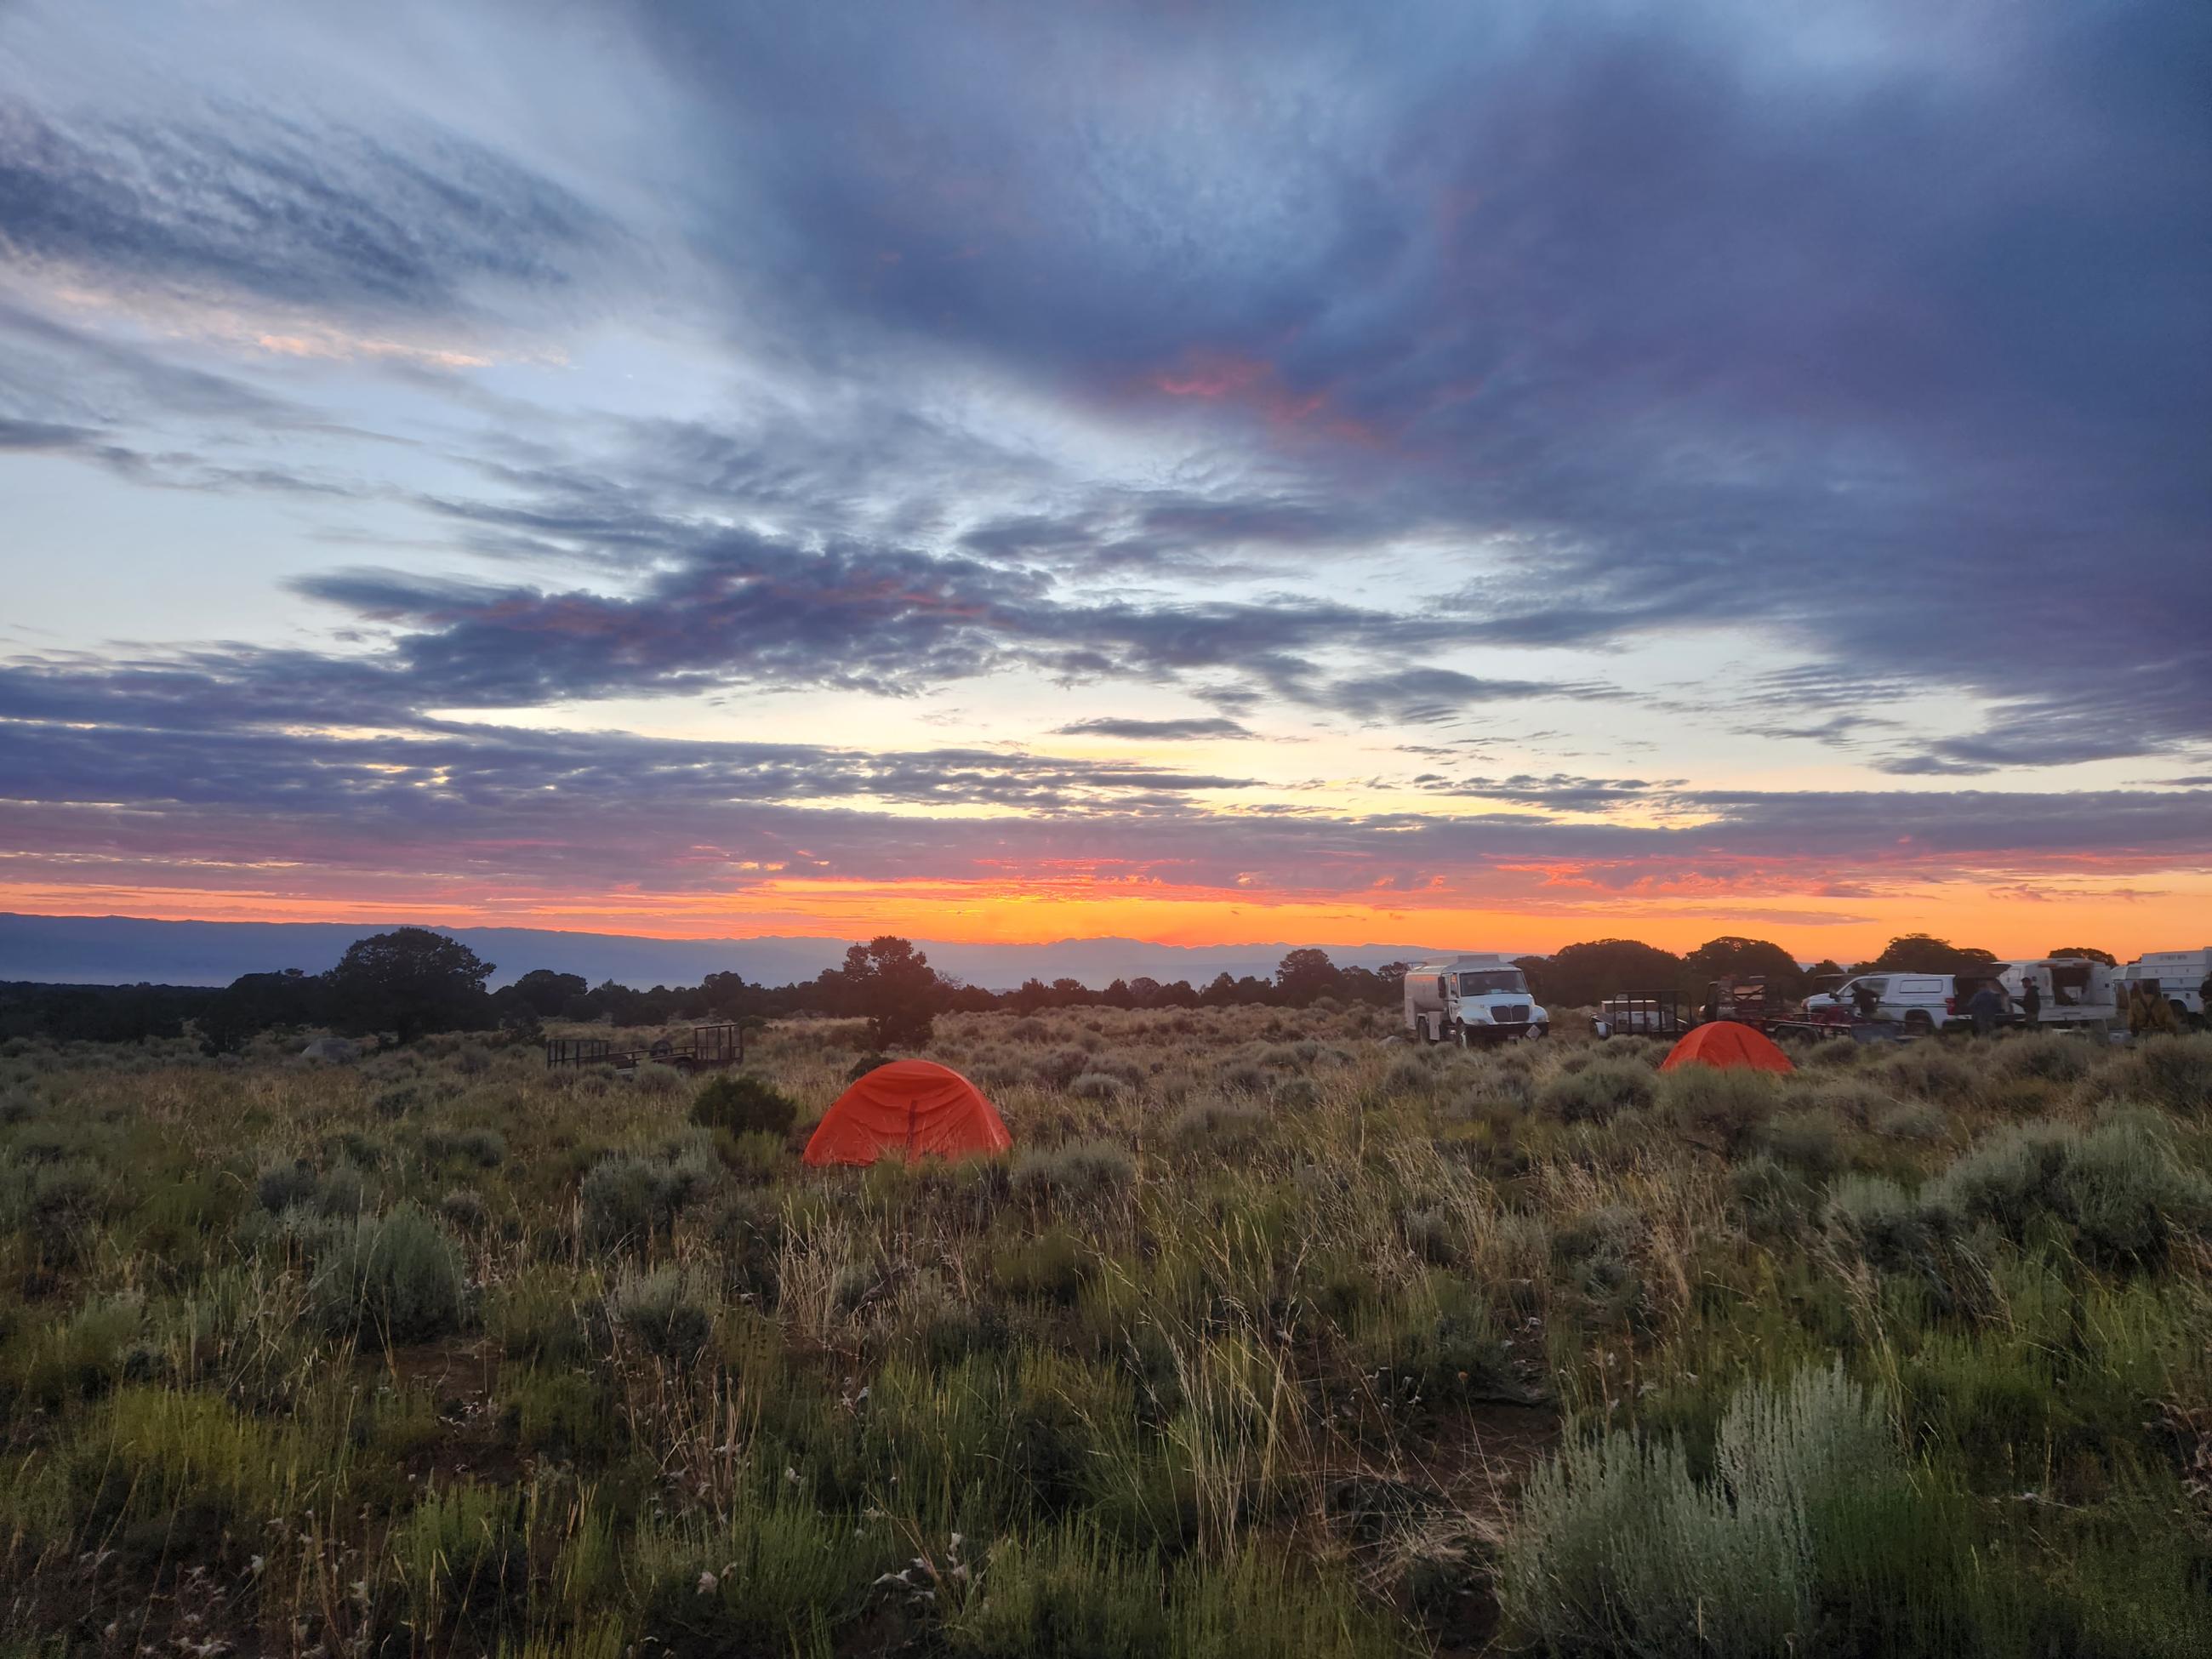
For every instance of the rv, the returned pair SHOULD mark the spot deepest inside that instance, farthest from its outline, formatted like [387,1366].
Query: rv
[2178,976]
[2075,990]
[1471,998]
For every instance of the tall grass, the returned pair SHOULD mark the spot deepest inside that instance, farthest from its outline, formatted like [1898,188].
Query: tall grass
[1270,1337]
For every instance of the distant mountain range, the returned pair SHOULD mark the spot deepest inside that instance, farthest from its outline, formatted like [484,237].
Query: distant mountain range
[129,950]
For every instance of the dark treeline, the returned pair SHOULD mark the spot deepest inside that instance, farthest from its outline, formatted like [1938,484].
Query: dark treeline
[412,982]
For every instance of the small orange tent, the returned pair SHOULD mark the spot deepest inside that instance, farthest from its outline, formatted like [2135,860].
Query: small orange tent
[909,1109]
[1725,1043]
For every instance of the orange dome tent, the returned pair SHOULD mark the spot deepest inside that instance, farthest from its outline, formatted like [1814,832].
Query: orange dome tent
[909,1109]
[1725,1043]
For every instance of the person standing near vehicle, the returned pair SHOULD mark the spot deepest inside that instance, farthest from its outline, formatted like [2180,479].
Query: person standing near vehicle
[2148,1012]
[1985,1007]
[1866,1000]
[2031,1001]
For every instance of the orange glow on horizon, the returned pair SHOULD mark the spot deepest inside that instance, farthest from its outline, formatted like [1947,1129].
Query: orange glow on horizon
[1539,919]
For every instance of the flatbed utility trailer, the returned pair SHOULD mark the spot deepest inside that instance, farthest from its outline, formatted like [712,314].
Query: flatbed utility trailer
[1751,1001]
[1858,1030]
[1643,1014]
[702,1048]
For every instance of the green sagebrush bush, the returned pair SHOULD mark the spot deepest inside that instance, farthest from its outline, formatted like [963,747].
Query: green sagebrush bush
[1811,1140]
[630,1199]
[1929,1070]
[2048,1057]
[282,1184]
[2119,1186]
[1889,1228]
[2174,1073]
[1051,1266]
[1618,1549]
[655,1079]
[389,1278]
[1222,1127]
[2118,1190]
[1077,1171]
[1407,1076]
[1773,1198]
[1721,1109]
[749,1231]
[1599,1090]
[743,1104]
[668,1311]
[1910,1119]
[1855,1100]
[485,1148]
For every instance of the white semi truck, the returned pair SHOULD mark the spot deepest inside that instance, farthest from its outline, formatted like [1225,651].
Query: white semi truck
[1473,998]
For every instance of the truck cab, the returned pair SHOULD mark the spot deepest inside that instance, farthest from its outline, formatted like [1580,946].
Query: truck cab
[1478,997]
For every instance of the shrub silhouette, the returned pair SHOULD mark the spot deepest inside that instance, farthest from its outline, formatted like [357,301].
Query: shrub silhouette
[743,1104]
[629,1200]
[1597,1091]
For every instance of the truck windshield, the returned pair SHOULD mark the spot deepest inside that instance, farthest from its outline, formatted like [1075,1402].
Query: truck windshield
[1492,980]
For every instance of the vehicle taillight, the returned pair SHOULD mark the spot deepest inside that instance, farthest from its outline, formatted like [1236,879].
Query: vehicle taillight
[1950,1004]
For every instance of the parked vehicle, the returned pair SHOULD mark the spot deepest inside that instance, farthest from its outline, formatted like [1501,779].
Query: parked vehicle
[1471,998]
[2178,975]
[2074,991]
[1916,1003]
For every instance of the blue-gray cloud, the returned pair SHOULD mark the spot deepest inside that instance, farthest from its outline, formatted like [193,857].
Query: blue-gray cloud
[1627,322]
[1161,731]
[326,218]
[513,808]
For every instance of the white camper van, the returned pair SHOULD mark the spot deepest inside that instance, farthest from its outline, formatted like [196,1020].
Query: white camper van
[2074,991]
[2178,975]
[1471,998]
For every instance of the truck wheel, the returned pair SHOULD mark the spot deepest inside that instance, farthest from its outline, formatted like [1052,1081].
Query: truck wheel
[1917,1024]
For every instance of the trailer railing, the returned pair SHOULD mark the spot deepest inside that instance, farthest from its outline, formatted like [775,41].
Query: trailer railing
[701,1049]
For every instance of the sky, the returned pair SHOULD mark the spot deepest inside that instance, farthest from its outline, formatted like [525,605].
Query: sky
[1480,476]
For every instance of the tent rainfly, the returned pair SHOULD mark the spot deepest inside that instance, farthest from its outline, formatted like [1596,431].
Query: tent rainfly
[908,1109]
[1727,1044]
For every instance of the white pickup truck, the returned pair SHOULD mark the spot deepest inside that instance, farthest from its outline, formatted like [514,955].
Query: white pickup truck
[1472,998]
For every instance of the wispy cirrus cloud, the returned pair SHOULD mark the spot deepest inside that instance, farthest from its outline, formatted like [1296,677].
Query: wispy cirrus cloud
[1159,730]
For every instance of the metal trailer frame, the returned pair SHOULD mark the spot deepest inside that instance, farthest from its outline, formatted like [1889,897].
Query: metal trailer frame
[1650,1013]
[702,1048]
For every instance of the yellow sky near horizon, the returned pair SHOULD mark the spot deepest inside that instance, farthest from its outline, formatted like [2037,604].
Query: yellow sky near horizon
[2125,919]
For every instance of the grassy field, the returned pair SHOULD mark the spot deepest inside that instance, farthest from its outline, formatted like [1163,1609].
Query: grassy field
[1272,1337]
